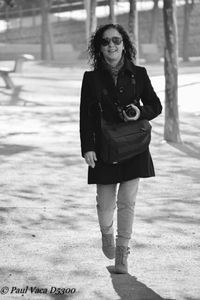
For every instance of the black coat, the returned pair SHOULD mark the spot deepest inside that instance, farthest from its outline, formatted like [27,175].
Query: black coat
[133,83]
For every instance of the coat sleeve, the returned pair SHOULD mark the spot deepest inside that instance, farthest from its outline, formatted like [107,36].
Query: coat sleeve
[86,121]
[151,103]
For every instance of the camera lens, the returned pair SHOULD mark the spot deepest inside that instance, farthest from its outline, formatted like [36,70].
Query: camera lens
[130,111]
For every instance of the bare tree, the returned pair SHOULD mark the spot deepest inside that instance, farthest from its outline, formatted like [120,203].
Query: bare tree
[87,21]
[44,26]
[154,22]
[171,127]
[46,31]
[133,26]
[112,17]
[93,19]
[186,27]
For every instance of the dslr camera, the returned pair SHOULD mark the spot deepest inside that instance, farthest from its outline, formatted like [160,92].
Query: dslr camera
[128,111]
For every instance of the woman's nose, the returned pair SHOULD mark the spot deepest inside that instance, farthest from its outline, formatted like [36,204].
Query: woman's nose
[111,44]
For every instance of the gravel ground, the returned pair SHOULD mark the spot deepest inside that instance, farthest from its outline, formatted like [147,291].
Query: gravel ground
[49,232]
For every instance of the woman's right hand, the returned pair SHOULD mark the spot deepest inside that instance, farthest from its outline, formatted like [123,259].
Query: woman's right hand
[90,158]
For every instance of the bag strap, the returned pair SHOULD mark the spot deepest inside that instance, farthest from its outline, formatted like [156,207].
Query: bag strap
[98,87]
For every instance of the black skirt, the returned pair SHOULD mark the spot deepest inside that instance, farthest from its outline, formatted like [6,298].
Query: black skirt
[140,166]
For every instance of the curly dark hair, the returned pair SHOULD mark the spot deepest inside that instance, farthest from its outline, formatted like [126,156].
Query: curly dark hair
[94,46]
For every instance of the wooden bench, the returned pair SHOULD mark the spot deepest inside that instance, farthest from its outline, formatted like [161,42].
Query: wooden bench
[5,72]
[150,52]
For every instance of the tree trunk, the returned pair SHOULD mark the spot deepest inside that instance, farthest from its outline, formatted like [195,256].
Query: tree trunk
[33,16]
[112,17]
[87,21]
[93,19]
[50,34]
[133,26]
[51,41]
[20,20]
[154,22]
[171,127]
[187,13]
[46,31]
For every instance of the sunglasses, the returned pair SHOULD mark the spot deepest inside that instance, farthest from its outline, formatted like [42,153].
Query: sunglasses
[115,39]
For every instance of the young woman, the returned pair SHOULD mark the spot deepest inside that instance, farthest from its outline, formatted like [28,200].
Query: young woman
[112,55]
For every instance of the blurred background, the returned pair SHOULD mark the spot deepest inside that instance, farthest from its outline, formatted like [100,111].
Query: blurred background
[59,29]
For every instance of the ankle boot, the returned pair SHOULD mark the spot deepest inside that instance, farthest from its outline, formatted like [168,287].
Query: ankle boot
[108,246]
[121,255]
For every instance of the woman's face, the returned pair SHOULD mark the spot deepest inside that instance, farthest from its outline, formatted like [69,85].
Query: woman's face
[112,46]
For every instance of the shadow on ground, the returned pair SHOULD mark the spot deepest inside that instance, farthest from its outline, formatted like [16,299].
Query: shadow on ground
[188,148]
[128,287]
[13,149]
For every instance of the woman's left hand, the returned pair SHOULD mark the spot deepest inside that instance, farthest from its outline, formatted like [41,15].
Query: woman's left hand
[136,117]
[90,158]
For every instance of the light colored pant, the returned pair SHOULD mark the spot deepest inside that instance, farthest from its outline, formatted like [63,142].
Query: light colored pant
[124,195]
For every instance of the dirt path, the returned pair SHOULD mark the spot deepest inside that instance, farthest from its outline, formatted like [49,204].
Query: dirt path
[49,232]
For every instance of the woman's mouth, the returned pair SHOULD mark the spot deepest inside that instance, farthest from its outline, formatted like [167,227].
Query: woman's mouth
[112,51]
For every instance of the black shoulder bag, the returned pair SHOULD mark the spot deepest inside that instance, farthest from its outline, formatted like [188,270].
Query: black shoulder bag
[124,140]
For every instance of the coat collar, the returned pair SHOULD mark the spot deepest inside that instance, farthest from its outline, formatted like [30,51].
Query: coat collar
[108,83]
[128,67]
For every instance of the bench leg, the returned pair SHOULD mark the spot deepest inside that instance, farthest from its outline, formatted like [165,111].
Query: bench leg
[8,81]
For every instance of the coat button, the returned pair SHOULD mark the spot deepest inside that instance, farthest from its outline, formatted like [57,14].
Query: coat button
[133,79]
